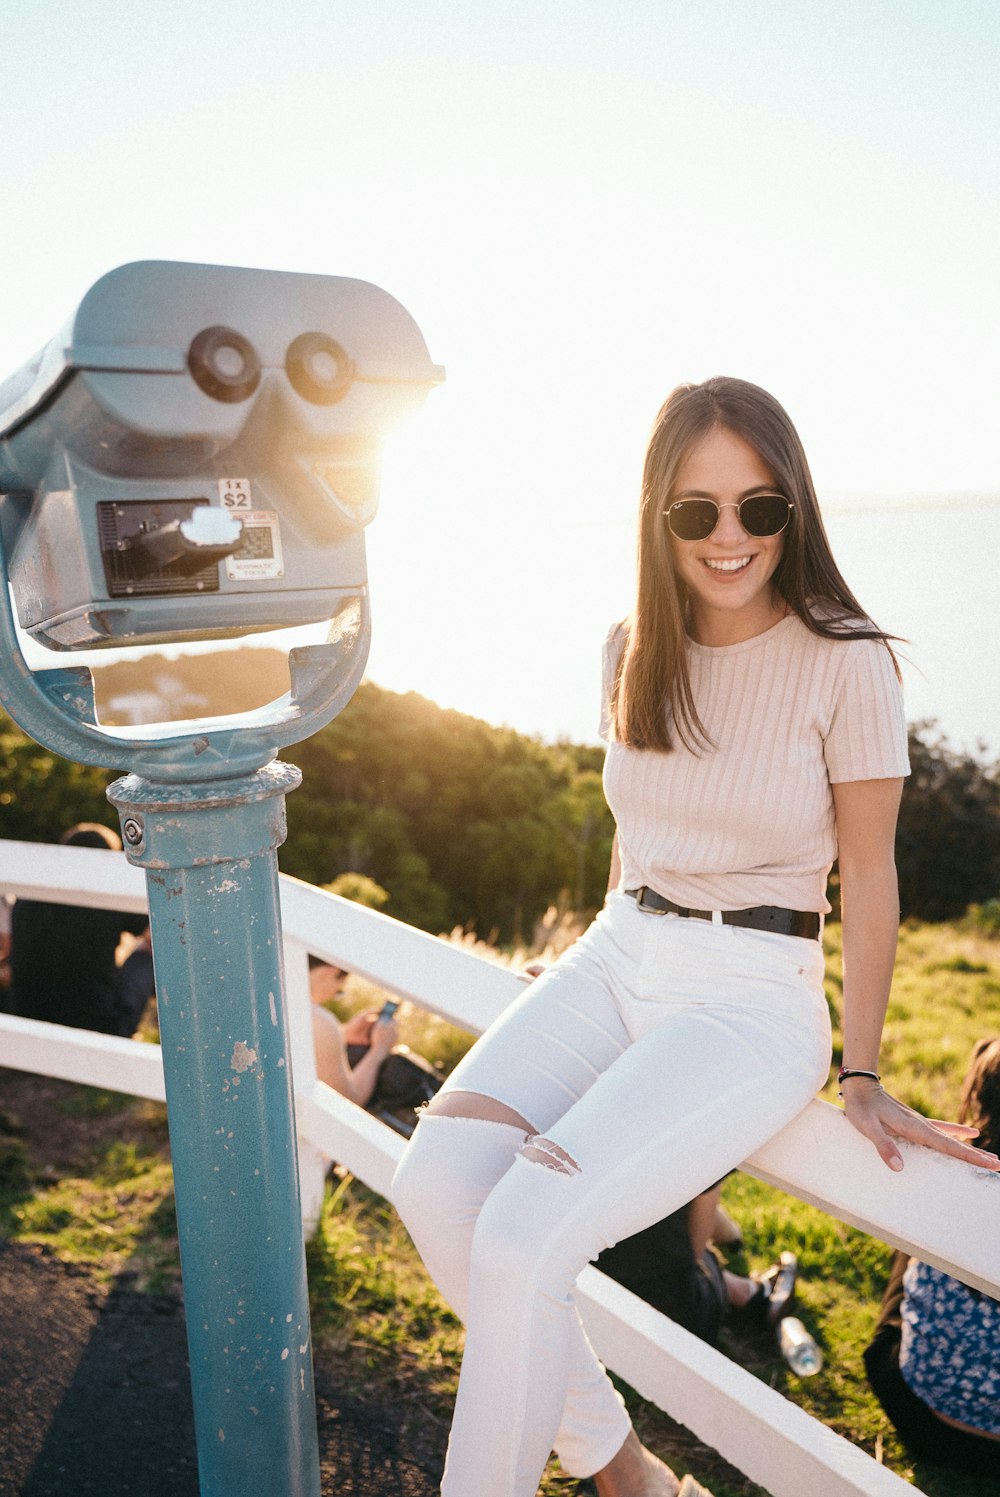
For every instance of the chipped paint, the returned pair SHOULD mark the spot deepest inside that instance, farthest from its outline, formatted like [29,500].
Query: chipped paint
[227,886]
[243,1057]
[274,1009]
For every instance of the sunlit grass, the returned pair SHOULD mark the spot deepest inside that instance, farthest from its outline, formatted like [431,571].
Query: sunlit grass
[119,1216]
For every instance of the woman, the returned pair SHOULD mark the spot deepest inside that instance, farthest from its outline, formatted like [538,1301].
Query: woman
[934,1362]
[755,721]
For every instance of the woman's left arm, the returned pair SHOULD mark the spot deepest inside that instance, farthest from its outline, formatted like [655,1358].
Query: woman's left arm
[866,812]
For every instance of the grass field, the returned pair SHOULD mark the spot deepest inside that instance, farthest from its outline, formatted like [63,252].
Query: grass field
[100,1194]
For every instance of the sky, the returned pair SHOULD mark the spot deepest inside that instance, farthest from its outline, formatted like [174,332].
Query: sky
[582,205]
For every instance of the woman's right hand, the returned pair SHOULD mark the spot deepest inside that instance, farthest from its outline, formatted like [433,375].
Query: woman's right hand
[384,1034]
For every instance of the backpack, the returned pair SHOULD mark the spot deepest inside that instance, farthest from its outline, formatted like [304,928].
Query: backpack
[405,1082]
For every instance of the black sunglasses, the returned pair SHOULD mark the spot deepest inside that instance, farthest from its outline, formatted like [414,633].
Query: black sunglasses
[760,515]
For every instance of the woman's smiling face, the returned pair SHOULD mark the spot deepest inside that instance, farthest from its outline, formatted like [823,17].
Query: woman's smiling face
[728,575]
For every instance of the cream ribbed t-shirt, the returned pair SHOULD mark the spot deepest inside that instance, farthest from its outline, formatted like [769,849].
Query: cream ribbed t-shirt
[751,820]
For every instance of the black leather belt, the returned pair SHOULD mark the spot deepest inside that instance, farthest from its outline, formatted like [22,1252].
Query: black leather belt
[805,923]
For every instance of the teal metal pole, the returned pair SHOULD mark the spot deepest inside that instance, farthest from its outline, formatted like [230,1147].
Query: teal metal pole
[212,879]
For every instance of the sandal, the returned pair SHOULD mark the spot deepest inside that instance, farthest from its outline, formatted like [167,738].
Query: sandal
[774,1291]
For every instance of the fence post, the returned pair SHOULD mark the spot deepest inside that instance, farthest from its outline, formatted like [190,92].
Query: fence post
[208,849]
[313,1163]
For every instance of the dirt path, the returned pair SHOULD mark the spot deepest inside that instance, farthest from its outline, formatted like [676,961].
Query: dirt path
[94,1389]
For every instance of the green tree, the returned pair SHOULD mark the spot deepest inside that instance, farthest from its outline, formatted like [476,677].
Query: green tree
[587,828]
[42,794]
[361,889]
[948,841]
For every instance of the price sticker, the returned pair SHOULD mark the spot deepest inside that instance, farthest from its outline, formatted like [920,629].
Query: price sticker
[234,493]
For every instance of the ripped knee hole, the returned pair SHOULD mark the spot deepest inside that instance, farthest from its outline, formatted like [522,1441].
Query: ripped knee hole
[543,1151]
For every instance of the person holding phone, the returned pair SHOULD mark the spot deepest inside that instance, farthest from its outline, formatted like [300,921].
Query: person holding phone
[361,1058]
[755,730]
[349,1056]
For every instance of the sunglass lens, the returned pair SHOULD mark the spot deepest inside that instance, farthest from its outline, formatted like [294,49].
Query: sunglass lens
[693,519]
[765,514]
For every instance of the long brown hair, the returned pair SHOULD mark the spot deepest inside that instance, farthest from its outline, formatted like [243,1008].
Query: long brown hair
[652,694]
[980,1105]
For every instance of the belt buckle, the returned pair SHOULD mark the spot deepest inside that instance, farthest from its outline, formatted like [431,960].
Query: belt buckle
[647,909]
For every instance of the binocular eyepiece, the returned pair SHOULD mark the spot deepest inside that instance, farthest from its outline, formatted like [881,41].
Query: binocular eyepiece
[226,366]
[197,453]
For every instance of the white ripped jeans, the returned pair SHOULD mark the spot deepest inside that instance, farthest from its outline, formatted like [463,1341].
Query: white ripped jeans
[655,1056]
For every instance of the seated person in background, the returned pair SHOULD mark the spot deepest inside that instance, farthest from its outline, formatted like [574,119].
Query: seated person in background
[62,957]
[356,1082]
[4,952]
[934,1362]
[672,1267]
[360,1060]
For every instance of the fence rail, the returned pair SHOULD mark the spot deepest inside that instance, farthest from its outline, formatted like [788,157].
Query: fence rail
[762,1433]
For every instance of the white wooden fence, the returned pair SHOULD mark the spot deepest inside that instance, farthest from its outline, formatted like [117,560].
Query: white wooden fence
[941,1210]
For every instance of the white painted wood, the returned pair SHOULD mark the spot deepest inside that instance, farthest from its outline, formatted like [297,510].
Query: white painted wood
[72,875]
[446,979]
[939,1209]
[81,1055]
[345,1132]
[314,1166]
[299,1008]
[313,1163]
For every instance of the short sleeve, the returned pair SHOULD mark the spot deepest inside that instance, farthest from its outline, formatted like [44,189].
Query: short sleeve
[613,646]
[866,739]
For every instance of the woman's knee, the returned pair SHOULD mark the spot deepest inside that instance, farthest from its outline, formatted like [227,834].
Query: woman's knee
[451,1163]
[521,1234]
[425,1176]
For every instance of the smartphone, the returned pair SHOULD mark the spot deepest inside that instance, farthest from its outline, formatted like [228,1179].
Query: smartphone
[386,1011]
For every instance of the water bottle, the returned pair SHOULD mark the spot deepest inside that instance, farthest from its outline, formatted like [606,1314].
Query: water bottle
[798,1348]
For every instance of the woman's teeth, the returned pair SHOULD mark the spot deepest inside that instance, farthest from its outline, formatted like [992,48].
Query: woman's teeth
[736,565]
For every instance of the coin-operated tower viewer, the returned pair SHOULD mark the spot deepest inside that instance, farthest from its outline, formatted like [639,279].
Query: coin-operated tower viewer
[195,457]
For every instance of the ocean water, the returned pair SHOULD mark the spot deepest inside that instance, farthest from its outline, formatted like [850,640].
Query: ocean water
[931,573]
[928,571]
